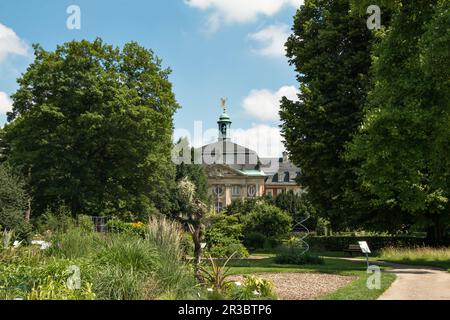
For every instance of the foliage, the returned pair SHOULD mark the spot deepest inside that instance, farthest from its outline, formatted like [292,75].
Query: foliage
[119,266]
[295,255]
[223,237]
[403,143]
[217,275]
[173,276]
[114,282]
[272,222]
[75,243]
[331,52]
[195,216]
[116,225]
[58,220]
[255,240]
[339,243]
[422,256]
[13,202]
[51,290]
[94,125]
[128,252]
[254,288]
[242,206]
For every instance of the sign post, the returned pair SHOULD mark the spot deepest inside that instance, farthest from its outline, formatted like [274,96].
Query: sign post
[365,249]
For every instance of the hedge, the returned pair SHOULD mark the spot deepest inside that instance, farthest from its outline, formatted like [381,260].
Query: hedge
[339,243]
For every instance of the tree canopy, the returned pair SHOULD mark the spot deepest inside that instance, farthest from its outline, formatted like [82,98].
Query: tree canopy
[404,139]
[331,52]
[94,125]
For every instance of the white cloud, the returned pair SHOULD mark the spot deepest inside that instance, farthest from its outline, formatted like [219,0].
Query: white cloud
[10,43]
[263,139]
[265,104]
[240,11]
[272,40]
[5,103]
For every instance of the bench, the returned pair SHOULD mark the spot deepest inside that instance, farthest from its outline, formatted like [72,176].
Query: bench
[353,248]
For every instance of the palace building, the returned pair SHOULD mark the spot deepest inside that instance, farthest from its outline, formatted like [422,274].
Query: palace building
[235,171]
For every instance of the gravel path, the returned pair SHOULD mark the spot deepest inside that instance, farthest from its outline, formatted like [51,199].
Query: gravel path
[303,286]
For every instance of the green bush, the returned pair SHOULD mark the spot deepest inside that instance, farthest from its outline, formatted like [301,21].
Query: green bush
[13,202]
[227,249]
[116,225]
[114,282]
[255,240]
[56,221]
[296,256]
[129,252]
[223,237]
[254,288]
[273,223]
[75,243]
[174,277]
[53,290]
[376,243]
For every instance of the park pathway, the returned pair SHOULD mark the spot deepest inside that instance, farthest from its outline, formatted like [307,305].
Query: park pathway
[417,283]
[414,282]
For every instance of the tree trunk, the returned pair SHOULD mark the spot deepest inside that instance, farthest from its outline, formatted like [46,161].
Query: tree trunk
[436,233]
[28,212]
[197,239]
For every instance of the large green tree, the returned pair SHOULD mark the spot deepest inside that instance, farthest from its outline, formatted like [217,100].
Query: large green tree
[404,141]
[94,125]
[331,51]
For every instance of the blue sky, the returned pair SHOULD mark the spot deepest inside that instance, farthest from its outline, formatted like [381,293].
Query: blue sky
[216,48]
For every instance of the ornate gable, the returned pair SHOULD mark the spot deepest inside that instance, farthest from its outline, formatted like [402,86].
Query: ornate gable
[220,170]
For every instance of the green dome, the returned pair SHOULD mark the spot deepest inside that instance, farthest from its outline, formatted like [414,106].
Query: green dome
[224,117]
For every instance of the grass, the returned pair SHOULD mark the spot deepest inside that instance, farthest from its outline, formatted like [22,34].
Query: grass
[425,256]
[357,290]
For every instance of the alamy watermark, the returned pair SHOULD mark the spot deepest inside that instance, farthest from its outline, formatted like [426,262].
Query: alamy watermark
[374,20]
[73,22]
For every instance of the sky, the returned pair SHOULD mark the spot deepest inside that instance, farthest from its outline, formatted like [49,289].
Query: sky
[215,48]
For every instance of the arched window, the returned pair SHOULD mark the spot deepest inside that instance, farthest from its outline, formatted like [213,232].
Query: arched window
[251,191]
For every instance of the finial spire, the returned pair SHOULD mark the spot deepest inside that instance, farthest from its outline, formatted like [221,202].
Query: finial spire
[223,102]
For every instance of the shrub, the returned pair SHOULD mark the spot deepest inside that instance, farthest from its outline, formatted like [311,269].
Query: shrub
[270,221]
[254,288]
[13,202]
[85,223]
[223,237]
[296,256]
[226,249]
[54,290]
[75,243]
[255,240]
[114,282]
[173,276]
[129,252]
[57,221]
[116,225]
[339,243]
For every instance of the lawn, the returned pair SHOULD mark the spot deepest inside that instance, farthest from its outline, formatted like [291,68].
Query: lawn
[357,290]
[433,257]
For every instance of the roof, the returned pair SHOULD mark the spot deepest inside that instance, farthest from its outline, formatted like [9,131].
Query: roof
[231,154]
[280,171]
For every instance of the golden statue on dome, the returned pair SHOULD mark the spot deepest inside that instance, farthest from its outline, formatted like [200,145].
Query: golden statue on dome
[223,102]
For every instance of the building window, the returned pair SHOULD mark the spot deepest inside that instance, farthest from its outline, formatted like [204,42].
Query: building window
[236,191]
[251,191]
[218,190]
[269,192]
[219,206]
